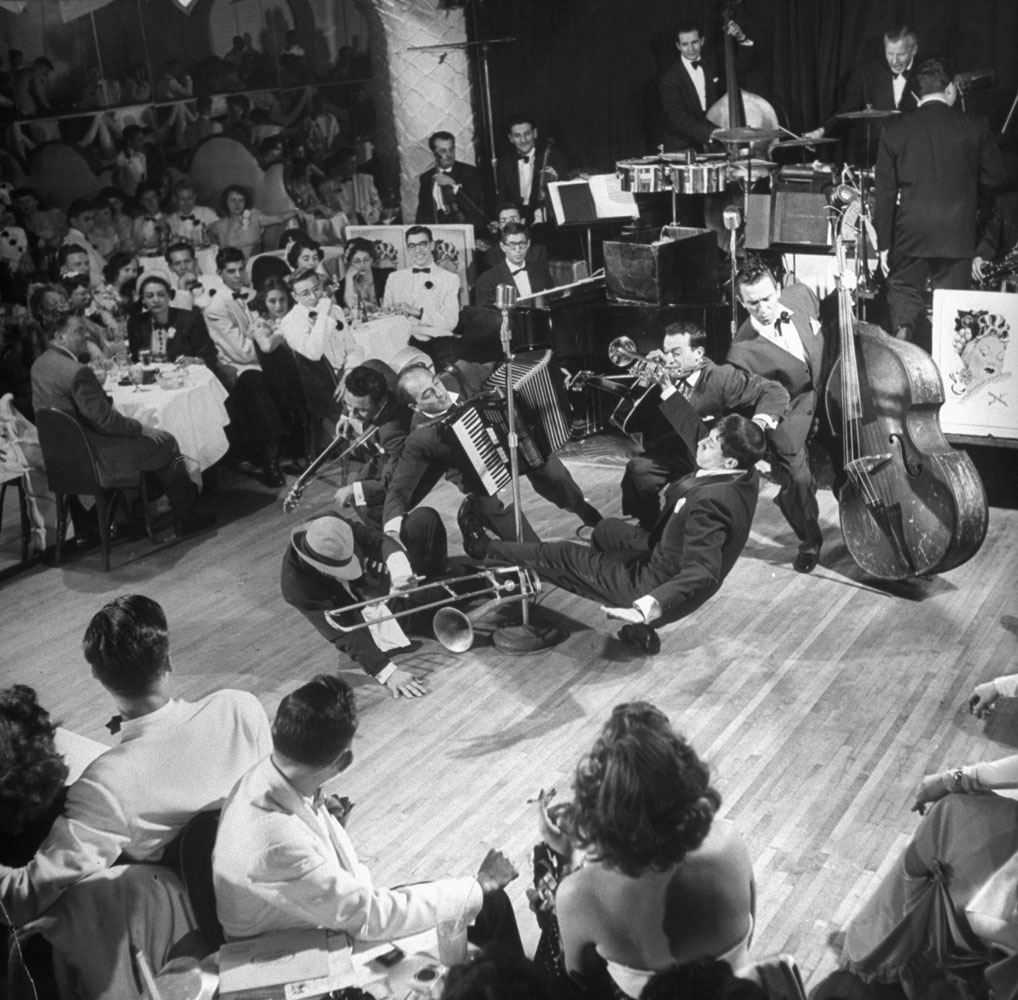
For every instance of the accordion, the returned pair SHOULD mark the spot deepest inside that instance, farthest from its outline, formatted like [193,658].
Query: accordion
[481,427]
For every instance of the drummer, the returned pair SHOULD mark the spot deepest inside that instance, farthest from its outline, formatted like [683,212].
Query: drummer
[886,84]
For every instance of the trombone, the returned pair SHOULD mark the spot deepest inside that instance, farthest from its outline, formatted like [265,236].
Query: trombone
[453,628]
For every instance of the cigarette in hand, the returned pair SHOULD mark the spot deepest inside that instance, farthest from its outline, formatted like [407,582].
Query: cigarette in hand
[540,795]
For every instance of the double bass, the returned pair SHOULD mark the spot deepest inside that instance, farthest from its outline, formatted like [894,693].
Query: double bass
[912,505]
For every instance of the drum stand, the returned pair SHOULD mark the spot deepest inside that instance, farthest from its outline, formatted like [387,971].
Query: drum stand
[525,637]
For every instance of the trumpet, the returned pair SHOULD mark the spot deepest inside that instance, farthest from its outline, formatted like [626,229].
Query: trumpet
[453,628]
[645,371]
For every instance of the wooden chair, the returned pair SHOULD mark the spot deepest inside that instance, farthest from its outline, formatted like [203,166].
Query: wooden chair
[71,470]
[26,521]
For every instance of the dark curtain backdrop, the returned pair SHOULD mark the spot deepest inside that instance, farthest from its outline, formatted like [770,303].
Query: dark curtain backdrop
[588,69]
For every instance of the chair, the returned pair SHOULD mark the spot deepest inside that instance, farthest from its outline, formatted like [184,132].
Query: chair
[26,522]
[195,844]
[71,470]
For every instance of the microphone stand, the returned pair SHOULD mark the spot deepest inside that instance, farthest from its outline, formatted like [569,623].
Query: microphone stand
[732,220]
[522,638]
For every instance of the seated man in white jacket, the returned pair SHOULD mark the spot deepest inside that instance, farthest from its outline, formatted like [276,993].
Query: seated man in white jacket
[282,859]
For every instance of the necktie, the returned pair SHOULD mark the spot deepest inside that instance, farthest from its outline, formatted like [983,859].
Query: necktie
[114,724]
[695,64]
[422,270]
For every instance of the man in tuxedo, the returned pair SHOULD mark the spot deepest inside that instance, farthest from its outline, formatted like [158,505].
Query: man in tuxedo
[428,295]
[523,171]
[515,269]
[782,341]
[712,390]
[884,84]
[450,192]
[931,169]
[688,89]
[658,576]
[509,211]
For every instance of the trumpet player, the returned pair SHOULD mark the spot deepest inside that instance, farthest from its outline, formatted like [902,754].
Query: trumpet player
[685,372]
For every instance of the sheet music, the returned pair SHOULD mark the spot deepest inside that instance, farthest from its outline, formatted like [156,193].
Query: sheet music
[610,201]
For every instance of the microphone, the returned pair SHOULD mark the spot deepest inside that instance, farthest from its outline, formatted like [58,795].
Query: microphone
[732,217]
[505,297]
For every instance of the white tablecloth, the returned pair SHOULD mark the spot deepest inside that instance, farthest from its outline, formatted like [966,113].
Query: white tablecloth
[194,415]
[383,337]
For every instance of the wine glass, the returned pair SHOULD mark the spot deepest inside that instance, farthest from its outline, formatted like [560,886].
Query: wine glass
[136,373]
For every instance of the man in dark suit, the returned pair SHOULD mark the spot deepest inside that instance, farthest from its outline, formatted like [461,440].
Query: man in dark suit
[782,341]
[515,269]
[523,172]
[123,446]
[712,390]
[450,191]
[647,578]
[688,89]
[884,84]
[509,211]
[931,169]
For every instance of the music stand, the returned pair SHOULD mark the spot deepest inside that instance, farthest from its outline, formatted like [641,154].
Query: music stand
[524,637]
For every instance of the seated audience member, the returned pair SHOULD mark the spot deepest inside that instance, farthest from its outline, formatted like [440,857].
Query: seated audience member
[363,284]
[151,231]
[131,161]
[72,259]
[428,295]
[303,253]
[192,222]
[659,576]
[32,775]
[173,334]
[46,225]
[283,860]
[175,759]
[508,212]
[81,223]
[122,221]
[203,125]
[526,276]
[315,330]
[193,289]
[242,226]
[115,297]
[254,413]
[322,222]
[122,445]
[349,191]
[494,974]
[658,880]
[941,922]
[79,302]
[104,235]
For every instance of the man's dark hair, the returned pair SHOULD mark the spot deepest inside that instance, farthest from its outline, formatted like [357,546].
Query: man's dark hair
[751,272]
[899,33]
[72,282]
[59,325]
[521,118]
[934,76]
[145,188]
[414,230]
[153,279]
[127,645]
[177,246]
[687,26]
[506,205]
[67,250]
[439,137]
[229,255]
[365,381]
[706,979]
[293,280]
[687,328]
[497,974]
[118,260]
[79,206]
[315,723]
[513,229]
[741,439]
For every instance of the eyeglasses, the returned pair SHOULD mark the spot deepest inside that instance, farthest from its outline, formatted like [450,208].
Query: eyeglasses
[419,246]
[518,244]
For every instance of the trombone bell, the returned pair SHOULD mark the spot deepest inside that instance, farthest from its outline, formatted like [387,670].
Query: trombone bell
[622,352]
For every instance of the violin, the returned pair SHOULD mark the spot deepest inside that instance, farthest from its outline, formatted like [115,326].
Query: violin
[912,505]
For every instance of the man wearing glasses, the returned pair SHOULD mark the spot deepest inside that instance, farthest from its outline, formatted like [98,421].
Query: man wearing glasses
[529,276]
[428,295]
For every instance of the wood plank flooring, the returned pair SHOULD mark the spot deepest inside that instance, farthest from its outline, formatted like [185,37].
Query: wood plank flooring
[819,701]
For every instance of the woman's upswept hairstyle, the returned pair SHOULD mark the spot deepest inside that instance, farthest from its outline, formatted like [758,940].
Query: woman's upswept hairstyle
[642,797]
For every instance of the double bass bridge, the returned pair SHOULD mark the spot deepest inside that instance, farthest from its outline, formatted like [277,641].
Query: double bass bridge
[866,465]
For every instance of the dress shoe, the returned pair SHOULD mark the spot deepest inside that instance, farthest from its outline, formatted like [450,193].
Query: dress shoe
[805,562]
[475,539]
[192,522]
[588,514]
[643,637]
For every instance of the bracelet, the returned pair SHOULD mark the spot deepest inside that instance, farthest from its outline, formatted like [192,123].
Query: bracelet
[957,777]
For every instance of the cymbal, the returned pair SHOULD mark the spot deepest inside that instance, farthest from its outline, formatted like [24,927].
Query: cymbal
[867,114]
[752,165]
[746,133]
[793,143]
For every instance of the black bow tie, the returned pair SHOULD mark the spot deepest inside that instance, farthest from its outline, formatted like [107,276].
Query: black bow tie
[422,270]
[313,314]
[518,270]
[188,218]
[695,63]
[524,157]
[898,76]
[239,295]
[114,724]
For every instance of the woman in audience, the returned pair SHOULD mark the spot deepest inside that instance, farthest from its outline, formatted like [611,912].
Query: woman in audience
[78,290]
[175,334]
[944,919]
[658,880]
[122,221]
[361,284]
[115,299]
[241,225]
[304,252]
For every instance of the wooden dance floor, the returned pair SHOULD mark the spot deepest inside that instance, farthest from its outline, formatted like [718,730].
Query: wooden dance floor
[819,700]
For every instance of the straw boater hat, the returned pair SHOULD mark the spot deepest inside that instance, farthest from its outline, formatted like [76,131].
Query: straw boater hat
[326,544]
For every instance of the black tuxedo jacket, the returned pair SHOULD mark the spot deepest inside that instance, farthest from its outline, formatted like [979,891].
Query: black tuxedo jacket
[931,168]
[467,204]
[191,338]
[485,290]
[686,124]
[507,176]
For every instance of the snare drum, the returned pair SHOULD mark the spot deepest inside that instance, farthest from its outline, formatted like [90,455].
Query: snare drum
[645,176]
[698,178]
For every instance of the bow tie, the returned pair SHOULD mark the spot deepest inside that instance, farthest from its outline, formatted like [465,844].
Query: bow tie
[188,218]
[240,295]
[151,218]
[422,270]
[313,313]
[695,63]
[114,724]
[524,157]
[518,270]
